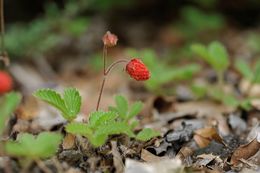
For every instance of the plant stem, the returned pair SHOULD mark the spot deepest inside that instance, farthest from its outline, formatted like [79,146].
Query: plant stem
[2,26]
[220,79]
[114,64]
[104,59]
[106,72]
[101,91]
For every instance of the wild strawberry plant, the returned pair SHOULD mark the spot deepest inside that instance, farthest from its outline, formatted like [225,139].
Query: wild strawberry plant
[215,54]
[101,124]
[33,147]
[252,75]
[119,120]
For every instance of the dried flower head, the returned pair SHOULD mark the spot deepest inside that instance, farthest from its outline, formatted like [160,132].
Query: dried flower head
[6,82]
[109,39]
[137,70]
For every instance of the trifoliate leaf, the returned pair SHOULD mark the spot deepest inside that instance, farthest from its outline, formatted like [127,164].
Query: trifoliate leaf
[79,129]
[135,109]
[34,147]
[134,124]
[72,101]
[121,105]
[98,140]
[244,69]
[147,134]
[218,56]
[54,99]
[200,50]
[7,106]
[100,118]
[115,128]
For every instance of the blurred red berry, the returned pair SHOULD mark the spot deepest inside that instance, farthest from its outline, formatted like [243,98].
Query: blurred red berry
[109,39]
[6,82]
[137,70]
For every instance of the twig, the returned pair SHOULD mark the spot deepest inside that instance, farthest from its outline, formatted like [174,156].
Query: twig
[57,164]
[42,166]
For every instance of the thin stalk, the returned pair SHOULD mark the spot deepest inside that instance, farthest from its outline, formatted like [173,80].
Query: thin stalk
[106,72]
[42,166]
[114,64]
[100,92]
[2,26]
[104,59]
[220,79]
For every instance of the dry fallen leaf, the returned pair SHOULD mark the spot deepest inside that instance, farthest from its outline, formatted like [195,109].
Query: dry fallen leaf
[68,141]
[149,157]
[246,151]
[184,153]
[117,158]
[204,136]
[205,159]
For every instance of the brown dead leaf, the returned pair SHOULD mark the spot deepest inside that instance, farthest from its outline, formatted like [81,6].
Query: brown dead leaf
[204,136]
[68,141]
[184,153]
[149,157]
[205,159]
[117,158]
[246,151]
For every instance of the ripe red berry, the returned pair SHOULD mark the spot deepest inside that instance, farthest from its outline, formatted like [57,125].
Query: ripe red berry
[137,70]
[6,82]
[109,39]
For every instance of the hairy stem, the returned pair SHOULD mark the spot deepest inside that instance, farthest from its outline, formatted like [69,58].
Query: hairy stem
[104,59]
[106,72]
[100,92]
[114,64]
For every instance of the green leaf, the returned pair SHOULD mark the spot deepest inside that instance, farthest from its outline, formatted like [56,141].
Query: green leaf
[98,140]
[218,56]
[101,118]
[72,101]
[244,69]
[7,106]
[115,128]
[246,104]
[200,50]
[146,134]
[79,129]
[44,145]
[134,124]
[53,98]
[122,106]
[230,100]
[135,109]
[257,72]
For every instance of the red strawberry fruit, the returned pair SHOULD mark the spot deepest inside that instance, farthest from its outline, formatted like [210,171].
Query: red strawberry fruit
[137,70]
[6,82]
